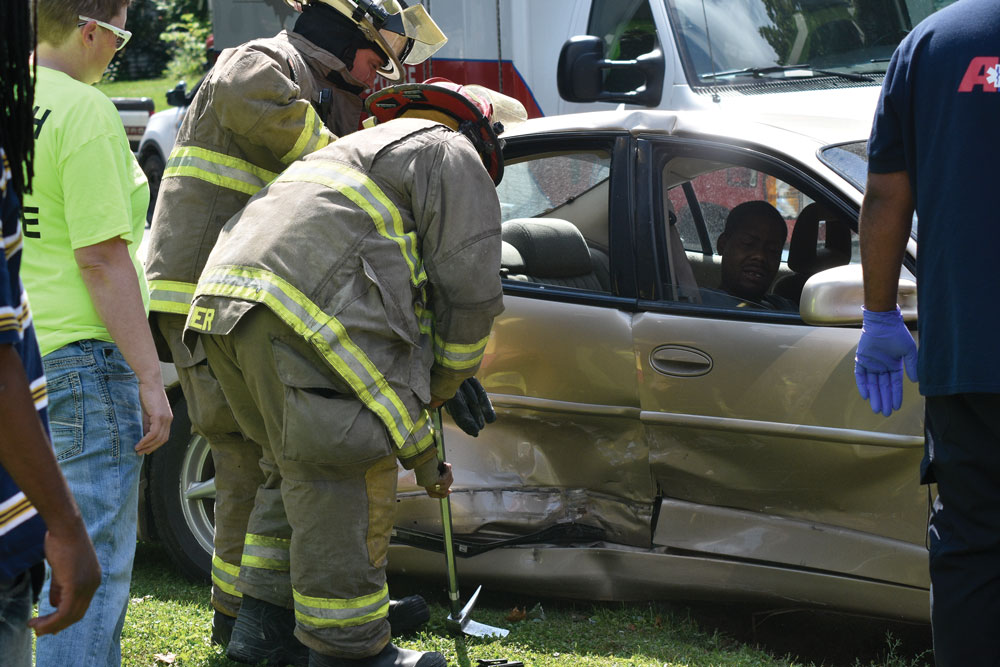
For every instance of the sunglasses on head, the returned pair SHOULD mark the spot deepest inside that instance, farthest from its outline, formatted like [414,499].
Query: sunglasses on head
[121,35]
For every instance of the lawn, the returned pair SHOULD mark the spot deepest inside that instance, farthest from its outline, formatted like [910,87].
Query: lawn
[155,88]
[169,618]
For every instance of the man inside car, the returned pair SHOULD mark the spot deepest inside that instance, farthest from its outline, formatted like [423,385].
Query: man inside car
[750,246]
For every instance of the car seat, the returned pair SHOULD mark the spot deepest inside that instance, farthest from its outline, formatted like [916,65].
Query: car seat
[805,254]
[553,252]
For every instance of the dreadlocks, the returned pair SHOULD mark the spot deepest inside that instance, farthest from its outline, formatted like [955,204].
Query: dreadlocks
[17,89]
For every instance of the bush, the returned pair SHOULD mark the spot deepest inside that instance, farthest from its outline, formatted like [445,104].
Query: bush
[185,40]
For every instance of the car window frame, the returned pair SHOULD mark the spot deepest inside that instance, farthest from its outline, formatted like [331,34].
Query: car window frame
[620,225]
[653,152]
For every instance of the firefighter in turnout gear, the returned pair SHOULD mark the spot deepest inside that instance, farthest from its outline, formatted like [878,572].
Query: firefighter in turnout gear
[264,105]
[353,293]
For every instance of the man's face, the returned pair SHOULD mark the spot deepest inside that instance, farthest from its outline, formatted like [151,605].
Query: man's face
[751,254]
[366,65]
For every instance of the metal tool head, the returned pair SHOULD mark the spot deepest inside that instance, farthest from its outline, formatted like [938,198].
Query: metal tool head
[465,625]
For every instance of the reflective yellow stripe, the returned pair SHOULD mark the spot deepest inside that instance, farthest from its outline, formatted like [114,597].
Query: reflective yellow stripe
[425,319]
[217,168]
[170,296]
[457,355]
[368,196]
[265,552]
[331,341]
[340,613]
[313,137]
[224,575]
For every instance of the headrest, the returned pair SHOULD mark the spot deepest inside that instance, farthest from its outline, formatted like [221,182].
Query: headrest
[805,255]
[510,258]
[551,248]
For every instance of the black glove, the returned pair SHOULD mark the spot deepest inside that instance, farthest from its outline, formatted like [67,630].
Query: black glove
[471,408]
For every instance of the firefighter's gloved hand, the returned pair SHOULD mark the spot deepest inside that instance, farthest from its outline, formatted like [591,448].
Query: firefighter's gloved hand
[435,476]
[471,408]
[885,348]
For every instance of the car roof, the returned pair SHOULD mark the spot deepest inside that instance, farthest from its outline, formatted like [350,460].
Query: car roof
[798,135]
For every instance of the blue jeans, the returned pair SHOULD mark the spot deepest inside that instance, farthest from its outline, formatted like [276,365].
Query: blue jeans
[15,610]
[96,421]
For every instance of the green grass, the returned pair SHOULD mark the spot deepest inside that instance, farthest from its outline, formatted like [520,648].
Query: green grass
[155,88]
[170,617]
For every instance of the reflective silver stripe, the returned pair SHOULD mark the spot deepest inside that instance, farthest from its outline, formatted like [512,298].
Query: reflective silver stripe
[313,137]
[170,296]
[364,193]
[459,356]
[218,169]
[225,575]
[330,339]
[266,553]
[319,612]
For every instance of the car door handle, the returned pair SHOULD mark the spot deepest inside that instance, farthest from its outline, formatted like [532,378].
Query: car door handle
[680,361]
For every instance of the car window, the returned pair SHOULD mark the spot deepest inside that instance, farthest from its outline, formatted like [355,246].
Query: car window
[701,195]
[554,208]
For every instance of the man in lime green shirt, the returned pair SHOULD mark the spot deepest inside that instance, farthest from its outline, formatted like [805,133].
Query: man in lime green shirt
[82,225]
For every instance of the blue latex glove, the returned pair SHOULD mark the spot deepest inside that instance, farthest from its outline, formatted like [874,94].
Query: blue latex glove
[885,347]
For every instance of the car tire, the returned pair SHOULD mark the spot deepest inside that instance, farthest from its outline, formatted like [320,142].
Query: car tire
[182,496]
[152,165]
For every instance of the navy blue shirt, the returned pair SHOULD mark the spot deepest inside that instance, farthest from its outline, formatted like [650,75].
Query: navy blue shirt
[939,120]
[21,528]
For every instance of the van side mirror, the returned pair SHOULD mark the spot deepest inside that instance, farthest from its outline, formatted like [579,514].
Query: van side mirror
[580,73]
[176,97]
[835,297]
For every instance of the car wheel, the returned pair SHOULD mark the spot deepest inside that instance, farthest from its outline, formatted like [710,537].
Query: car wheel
[182,496]
[152,165]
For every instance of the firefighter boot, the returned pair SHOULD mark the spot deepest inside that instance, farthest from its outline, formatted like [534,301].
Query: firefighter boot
[407,614]
[390,656]
[263,635]
[222,628]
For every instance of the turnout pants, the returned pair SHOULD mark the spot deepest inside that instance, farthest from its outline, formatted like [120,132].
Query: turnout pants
[318,534]
[237,474]
[963,457]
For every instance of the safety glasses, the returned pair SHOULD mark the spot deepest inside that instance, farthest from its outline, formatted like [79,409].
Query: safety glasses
[121,36]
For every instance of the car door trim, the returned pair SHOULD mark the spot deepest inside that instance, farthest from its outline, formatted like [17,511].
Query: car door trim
[845,436]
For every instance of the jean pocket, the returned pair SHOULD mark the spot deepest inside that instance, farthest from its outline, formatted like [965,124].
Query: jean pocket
[115,366]
[65,392]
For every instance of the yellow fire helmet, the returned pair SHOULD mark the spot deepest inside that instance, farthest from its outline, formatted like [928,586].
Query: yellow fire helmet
[405,35]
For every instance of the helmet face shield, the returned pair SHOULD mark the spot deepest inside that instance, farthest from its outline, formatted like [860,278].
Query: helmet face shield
[404,35]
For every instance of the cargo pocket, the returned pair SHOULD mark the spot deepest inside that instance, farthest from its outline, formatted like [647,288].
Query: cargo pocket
[323,421]
[65,392]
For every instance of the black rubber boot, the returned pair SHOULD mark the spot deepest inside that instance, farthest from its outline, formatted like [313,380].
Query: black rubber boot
[407,614]
[222,628]
[263,635]
[391,656]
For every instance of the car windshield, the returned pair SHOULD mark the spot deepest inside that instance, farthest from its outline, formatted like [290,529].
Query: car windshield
[730,41]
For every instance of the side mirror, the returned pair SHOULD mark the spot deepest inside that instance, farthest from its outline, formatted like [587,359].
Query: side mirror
[176,97]
[836,296]
[580,73]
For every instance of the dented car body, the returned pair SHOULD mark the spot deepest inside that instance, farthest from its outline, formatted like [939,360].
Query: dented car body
[651,441]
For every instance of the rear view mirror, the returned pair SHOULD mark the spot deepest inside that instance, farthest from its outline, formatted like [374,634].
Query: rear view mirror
[836,296]
[581,68]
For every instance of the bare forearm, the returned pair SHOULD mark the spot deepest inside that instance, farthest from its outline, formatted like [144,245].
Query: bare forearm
[886,217]
[113,286]
[25,451]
